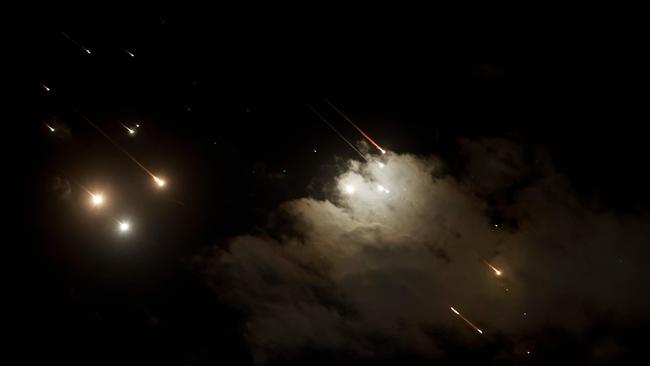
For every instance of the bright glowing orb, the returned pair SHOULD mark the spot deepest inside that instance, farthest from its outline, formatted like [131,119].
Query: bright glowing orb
[349,189]
[97,199]
[123,226]
[160,182]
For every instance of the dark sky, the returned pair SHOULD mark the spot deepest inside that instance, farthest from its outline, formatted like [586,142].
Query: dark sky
[223,101]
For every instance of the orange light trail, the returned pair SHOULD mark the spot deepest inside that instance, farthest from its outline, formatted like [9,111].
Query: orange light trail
[357,127]
[48,126]
[96,199]
[466,320]
[130,130]
[496,270]
[156,179]
[338,133]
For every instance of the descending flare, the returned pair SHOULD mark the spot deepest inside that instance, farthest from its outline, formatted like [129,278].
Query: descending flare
[160,182]
[48,126]
[338,133]
[123,226]
[496,270]
[466,320]
[45,87]
[128,129]
[357,127]
[96,199]
[76,43]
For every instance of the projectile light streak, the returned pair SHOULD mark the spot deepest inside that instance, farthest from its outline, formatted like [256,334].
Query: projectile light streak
[45,87]
[158,181]
[123,226]
[77,43]
[466,320]
[96,199]
[129,130]
[357,127]
[50,127]
[338,133]
[496,270]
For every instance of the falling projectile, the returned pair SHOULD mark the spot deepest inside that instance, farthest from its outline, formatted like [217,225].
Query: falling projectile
[357,127]
[128,129]
[158,181]
[45,87]
[49,127]
[96,199]
[123,226]
[130,54]
[466,321]
[338,133]
[76,43]
[496,270]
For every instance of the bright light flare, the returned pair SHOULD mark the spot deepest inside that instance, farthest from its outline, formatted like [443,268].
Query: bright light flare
[96,199]
[496,270]
[130,54]
[357,128]
[87,51]
[160,182]
[128,129]
[466,320]
[45,87]
[123,226]
[49,127]
[383,189]
[349,189]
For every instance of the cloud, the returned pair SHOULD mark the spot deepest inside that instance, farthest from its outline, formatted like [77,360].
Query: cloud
[373,270]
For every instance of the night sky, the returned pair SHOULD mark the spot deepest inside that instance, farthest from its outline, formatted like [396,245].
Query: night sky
[273,242]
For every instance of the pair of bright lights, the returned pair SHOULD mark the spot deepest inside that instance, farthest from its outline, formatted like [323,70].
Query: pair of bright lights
[349,189]
[97,200]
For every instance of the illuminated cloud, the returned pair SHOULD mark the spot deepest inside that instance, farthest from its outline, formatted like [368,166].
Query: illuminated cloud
[374,266]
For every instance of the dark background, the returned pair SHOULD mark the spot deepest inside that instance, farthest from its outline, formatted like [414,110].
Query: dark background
[222,97]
